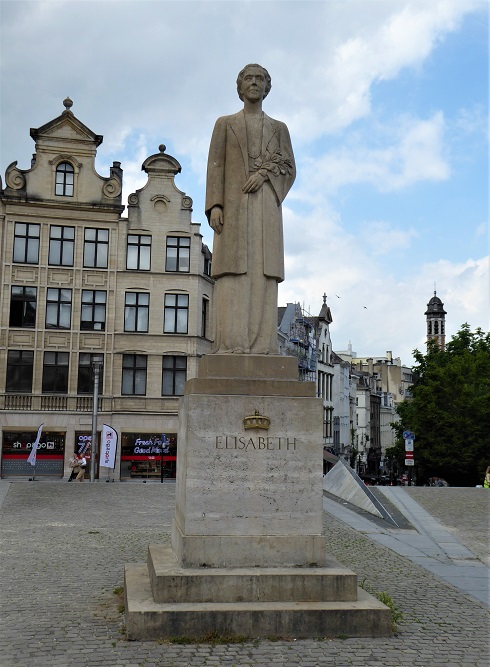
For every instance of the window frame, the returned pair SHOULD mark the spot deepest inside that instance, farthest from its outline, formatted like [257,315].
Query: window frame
[15,368]
[66,246]
[134,373]
[174,374]
[135,311]
[93,306]
[204,316]
[171,312]
[62,305]
[24,300]
[60,372]
[139,245]
[63,178]
[27,243]
[98,246]
[180,255]
[82,373]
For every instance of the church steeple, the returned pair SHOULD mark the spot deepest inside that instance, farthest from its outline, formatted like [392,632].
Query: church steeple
[436,321]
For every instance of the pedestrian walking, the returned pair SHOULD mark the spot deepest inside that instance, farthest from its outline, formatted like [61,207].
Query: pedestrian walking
[75,467]
[82,462]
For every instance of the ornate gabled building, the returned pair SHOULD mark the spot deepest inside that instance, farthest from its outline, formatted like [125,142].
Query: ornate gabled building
[80,281]
[436,321]
[307,337]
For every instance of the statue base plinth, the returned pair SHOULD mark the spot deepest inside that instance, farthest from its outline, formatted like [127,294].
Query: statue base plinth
[248,556]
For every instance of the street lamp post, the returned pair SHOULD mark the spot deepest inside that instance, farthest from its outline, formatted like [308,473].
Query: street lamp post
[97,361]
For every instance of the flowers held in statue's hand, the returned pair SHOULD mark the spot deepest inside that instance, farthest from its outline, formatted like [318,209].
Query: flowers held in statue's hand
[275,163]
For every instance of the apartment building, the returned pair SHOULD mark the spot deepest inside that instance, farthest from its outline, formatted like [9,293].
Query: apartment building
[80,281]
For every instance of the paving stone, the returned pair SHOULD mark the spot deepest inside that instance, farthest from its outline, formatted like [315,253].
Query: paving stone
[50,535]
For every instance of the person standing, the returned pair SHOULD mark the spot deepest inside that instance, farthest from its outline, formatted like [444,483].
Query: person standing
[250,171]
[486,481]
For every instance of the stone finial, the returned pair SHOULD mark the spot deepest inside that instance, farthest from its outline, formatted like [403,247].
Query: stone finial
[324,298]
[162,148]
[67,103]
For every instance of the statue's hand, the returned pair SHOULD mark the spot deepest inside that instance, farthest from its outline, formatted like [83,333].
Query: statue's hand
[216,219]
[254,183]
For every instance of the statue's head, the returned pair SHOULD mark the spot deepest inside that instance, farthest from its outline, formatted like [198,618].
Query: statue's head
[268,82]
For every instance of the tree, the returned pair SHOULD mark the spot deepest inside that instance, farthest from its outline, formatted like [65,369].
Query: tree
[450,410]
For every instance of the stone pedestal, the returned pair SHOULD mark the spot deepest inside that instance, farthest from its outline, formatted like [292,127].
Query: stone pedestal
[248,556]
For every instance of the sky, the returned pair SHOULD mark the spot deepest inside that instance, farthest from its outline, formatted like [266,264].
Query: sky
[387,106]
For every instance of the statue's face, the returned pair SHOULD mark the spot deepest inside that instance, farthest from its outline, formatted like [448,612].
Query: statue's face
[253,84]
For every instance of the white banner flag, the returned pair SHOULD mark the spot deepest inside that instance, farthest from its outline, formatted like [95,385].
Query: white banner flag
[32,456]
[108,447]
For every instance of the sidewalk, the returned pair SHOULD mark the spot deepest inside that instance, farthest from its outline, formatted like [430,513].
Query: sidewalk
[428,544]
[63,548]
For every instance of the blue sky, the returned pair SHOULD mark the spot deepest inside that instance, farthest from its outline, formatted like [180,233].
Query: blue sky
[386,102]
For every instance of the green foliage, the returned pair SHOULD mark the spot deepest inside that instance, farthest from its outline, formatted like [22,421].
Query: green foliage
[396,614]
[450,410]
[386,599]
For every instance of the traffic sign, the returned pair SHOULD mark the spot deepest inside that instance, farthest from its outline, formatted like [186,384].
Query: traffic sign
[408,434]
[409,455]
[409,445]
[409,462]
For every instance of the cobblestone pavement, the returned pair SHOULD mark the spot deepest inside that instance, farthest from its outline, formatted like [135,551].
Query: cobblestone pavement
[63,548]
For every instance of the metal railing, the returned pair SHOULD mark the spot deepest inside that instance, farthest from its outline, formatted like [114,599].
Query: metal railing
[83,403]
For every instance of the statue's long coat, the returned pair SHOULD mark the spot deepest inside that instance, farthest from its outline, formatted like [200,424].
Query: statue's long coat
[227,173]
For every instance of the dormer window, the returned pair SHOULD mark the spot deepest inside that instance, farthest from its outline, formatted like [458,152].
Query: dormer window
[65,175]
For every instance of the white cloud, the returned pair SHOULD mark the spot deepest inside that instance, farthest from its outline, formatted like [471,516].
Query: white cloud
[382,238]
[174,71]
[146,73]
[413,151]
[379,310]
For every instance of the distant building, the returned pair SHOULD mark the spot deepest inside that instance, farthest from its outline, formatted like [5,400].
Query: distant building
[389,383]
[81,280]
[344,409]
[307,337]
[436,321]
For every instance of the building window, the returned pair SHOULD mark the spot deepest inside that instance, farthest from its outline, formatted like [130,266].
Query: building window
[134,374]
[65,176]
[176,313]
[429,328]
[23,306]
[55,373]
[19,371]
[92,316]
[178,254]
[86,374]
[136,311]
[26,243]
[174,375]
[436,327]
[61,245]
[58,308]
[96,248]
[204,317]
[138,252]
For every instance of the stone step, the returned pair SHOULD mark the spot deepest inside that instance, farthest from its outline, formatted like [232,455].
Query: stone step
[150,620]
[172,583]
